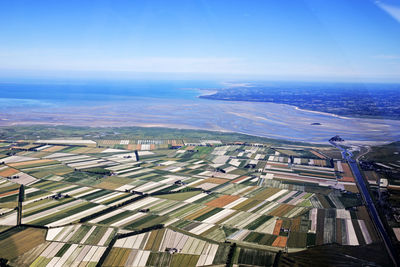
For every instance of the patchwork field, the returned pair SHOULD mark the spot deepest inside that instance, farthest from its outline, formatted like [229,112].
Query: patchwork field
[145,202]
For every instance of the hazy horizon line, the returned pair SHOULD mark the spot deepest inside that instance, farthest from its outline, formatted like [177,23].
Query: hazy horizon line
[88,75]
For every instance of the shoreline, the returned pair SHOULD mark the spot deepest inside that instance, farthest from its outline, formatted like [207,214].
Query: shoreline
[320,112]
[257,119]
[183,127]
[298,108]
[207,92]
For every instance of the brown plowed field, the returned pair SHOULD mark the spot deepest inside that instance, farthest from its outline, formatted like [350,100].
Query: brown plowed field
[277,228]
[280,241]
[222,201]
[8,172]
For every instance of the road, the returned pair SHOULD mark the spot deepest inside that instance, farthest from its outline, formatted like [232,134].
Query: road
[363,153]
[347,155]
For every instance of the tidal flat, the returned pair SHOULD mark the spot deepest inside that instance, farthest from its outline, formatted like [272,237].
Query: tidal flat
[253,118]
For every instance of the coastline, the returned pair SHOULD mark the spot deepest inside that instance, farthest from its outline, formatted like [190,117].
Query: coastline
[297,108]
[320,112]
[192,128]
[206,92]
[258,119]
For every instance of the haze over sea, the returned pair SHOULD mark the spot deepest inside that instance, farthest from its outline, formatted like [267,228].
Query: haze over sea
[175,104]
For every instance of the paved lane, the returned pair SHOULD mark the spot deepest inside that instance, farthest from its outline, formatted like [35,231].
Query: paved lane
[369,203]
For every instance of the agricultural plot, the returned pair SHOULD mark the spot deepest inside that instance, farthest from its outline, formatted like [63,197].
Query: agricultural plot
[18,240]
[63,254]
[163,246]
[255,257]
[139,202]
[81,234]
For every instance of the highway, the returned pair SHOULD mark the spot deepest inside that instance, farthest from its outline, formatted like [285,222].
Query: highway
[347,155]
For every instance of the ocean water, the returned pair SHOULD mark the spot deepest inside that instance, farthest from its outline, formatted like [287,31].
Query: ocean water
[175,104]
[52,94]
[102,90]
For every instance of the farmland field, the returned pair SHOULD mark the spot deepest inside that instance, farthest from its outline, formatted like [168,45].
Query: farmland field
[20,240]
[175,203]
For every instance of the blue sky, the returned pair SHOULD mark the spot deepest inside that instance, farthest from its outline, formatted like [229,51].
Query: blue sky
[250,39]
